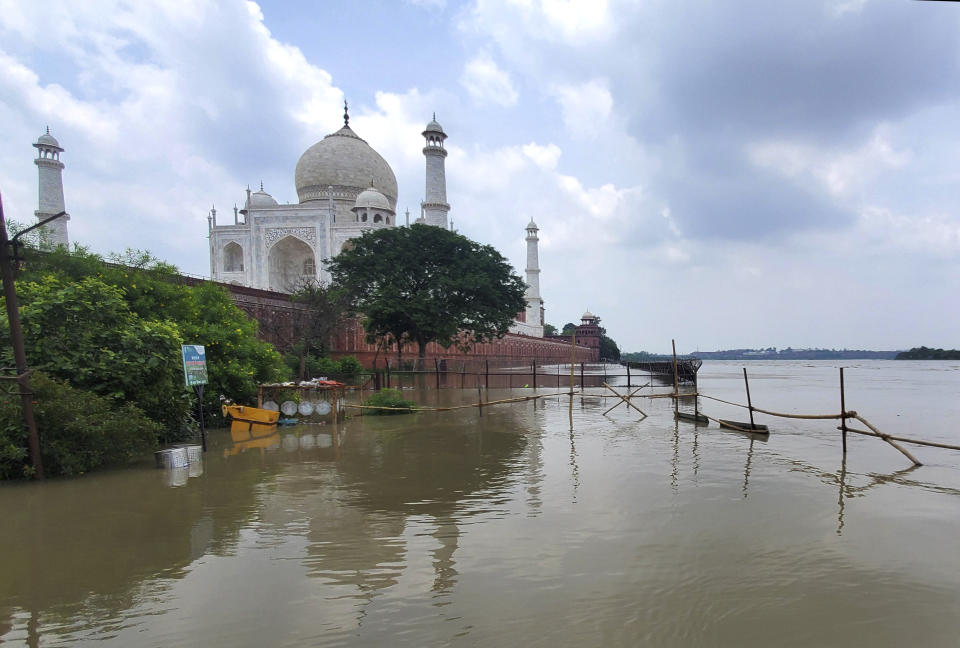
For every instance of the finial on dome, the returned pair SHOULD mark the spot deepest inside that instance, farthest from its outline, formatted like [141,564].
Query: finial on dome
[48,130]
[261,185]
[434,115]
[346,114]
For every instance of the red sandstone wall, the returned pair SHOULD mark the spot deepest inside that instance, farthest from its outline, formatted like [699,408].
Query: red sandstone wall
[278,318]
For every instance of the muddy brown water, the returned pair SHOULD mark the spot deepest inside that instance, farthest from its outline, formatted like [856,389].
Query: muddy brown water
[526,524]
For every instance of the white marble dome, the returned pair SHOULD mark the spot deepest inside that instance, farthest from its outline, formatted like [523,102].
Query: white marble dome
[261,199]
[348,164]
[372,199]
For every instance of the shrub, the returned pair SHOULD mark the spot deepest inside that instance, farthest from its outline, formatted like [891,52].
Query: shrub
[389,398]
[83,331]
[79,431]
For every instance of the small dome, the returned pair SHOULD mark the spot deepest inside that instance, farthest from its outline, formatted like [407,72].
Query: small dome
[588,315]
[532,225]
[434,127]
[373,199]
[260,199]
[48,140]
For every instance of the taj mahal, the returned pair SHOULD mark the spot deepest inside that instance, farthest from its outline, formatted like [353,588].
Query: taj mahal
[345,188]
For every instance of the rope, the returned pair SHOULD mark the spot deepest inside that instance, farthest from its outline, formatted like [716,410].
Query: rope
[781,414]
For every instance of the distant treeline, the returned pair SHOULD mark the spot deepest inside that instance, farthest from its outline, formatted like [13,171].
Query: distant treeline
[923,353]
[772,353]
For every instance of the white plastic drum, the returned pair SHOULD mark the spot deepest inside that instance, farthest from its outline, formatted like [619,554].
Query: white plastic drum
[306,408]
[289,408]
[290,442]
[270,405]
[323,408]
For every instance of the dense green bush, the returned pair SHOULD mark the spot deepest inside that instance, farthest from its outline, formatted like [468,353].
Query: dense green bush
[346,369]
[391,398]
[83,331]
[80,431]
[236,360]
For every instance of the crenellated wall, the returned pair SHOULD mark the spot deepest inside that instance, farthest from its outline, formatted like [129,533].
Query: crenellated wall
[278,317]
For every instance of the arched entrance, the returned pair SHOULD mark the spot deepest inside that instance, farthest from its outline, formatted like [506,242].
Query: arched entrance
[291,264]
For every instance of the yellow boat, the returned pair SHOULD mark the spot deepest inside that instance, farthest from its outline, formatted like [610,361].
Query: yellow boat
[250,422]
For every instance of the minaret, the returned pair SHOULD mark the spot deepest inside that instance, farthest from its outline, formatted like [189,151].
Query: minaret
[534,302]
[50,170]
[435,206]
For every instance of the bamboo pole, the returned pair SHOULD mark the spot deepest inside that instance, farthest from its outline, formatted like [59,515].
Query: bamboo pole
[887,438]
[843,412]
[628,375]
[749,402]
[676,382]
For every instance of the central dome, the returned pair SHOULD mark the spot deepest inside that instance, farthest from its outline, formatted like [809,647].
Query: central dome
[347,163]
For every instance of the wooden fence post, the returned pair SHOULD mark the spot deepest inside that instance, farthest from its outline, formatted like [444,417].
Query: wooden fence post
[749,403]
[843,414]
[676,381]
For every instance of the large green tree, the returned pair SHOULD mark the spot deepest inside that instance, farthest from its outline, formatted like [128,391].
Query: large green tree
[425,284]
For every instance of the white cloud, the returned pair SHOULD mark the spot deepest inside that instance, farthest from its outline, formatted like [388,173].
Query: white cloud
[485,81]
[184,99]
[545,157]
[576,23]
[587,107]
[838,172]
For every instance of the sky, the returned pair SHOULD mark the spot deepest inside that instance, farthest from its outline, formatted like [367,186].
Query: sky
[725,174]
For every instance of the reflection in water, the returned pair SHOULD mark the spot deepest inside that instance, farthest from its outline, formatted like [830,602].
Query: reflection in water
[417,530]
[447,534]
[842,479]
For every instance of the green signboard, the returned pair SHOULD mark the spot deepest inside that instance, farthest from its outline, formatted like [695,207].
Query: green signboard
[194,364]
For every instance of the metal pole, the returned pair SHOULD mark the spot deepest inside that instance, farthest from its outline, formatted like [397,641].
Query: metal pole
[843,414]
[628,375]
[749,403]
[203,431]
[19,354]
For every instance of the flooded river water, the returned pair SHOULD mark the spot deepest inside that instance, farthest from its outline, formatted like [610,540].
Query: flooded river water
[525,524]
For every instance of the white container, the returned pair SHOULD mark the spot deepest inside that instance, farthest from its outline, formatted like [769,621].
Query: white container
[172,458]
[176,477]
[306,408]
[195,469]
[289,408]
[194,452]
[163,459]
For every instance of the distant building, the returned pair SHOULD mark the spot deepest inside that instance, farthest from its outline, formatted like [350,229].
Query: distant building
[51,203]
[588,334]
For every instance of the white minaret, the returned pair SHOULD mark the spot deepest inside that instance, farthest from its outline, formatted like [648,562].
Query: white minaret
[50,170]
[534,302]
[435,207]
